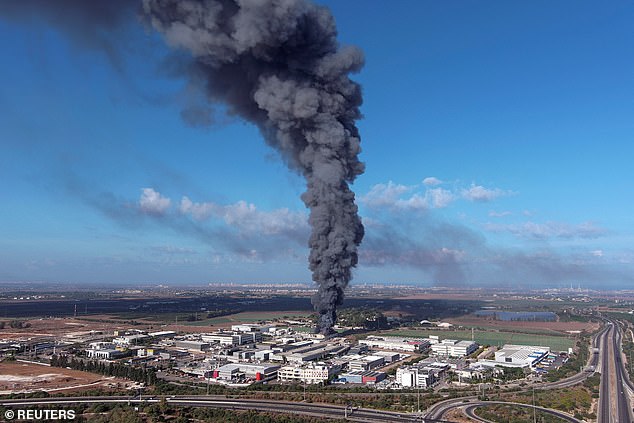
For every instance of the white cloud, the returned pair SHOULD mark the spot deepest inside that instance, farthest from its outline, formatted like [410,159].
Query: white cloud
[415,202]
[439,198]
[152,202]
[384,195]
[549,230]
[494,213]
[246,217]
[431,181]
[597,253]
[199,211]
[424,196]
[478,193]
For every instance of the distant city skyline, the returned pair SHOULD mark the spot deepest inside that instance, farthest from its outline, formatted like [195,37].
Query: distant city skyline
[496,137]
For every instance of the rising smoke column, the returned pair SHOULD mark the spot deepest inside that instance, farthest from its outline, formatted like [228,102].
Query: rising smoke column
[277,63]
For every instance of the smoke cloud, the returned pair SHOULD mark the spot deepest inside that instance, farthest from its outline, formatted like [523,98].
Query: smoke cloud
[92,25]
[278,65]
[275,63]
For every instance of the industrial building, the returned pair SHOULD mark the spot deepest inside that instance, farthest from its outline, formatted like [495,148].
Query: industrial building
[311,352]
[232,338]
[360,376]
[454,348]
[192,345]
[236,371]
[423,376]
[128,340]
[162,334]
[396,343]
[521,355]
[103,350]
[253,327]
[313,373]
[104,354]
[358,362]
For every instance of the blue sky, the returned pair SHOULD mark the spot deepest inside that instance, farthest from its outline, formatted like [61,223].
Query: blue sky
[496,136]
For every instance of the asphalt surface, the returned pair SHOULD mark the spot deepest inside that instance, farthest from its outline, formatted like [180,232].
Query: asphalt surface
[363,415]
[614,404]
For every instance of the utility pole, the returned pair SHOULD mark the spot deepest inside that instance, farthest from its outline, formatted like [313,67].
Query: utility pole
[534,411]
[208,377]
[418,396]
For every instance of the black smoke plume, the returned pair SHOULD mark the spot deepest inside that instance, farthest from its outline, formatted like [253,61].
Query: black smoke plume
[277,63]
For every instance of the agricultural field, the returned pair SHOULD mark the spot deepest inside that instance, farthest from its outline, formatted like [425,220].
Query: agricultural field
[532,327]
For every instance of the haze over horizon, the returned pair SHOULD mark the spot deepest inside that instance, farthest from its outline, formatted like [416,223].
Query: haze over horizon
[496,139]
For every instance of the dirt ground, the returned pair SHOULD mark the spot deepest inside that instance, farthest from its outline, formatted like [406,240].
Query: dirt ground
[16,376]
[70,326]
[61,327]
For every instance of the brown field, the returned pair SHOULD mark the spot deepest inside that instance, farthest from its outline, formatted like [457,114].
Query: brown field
[561,327]
[63,327]
[59,327]
[17,376]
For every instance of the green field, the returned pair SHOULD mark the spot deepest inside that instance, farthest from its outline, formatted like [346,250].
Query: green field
[556,343]
[484,327]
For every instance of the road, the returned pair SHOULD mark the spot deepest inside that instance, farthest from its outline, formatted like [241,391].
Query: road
[614,404]
[363,415]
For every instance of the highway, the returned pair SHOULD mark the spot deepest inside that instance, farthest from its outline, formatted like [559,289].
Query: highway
[614,404]
[363,415]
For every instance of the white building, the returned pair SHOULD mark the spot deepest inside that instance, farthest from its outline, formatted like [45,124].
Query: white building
[252,327]
[103,350]
[128,340]
[396,343]
[311,352]
[313,373]
[364,362]
[232,338]
[523,355]
[263,355]
[454,348]
[423,376]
